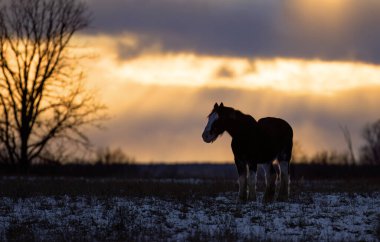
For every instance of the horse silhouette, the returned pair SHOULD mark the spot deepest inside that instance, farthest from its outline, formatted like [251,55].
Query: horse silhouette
[254,142]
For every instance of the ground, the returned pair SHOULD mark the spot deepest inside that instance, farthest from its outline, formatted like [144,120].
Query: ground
[57,209]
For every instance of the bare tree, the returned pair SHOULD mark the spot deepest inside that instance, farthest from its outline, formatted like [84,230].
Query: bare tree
[348,139]
[370,151]
[42,94]
[112,156]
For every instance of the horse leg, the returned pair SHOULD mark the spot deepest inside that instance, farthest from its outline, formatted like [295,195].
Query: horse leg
[285,180]
[243,173]
[252,182]
[270,180]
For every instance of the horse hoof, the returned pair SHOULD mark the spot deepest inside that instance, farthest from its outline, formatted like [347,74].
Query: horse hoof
[282,198]
[241,200]
[252,198]
[268,199]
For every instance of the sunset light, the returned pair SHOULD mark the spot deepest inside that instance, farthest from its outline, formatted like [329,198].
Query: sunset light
[315,63]
[146,76]
[296,76]
[190,120]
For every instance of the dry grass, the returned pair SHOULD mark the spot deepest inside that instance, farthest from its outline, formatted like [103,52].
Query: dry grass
[188,188]
[29,187]
[117,218]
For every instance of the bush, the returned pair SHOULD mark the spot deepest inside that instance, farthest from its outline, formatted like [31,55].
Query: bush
[370,151]
[330,158]
[108,156]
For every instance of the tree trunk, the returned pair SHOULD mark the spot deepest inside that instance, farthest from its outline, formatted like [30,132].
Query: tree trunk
[24,159]
[24,134]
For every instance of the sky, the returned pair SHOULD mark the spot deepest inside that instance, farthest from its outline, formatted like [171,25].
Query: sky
[160,65]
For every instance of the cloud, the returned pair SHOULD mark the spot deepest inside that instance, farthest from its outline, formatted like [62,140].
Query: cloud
[186,69]
[165,123]
[330,30]
[160,101]
[225,72]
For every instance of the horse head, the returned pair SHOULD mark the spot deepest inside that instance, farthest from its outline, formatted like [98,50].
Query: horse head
[215,125]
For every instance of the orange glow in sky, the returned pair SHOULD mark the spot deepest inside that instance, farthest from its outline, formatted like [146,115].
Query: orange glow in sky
[167,87]
[296,76]
[160,66]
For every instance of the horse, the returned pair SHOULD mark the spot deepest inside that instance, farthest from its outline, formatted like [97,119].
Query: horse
[254,142]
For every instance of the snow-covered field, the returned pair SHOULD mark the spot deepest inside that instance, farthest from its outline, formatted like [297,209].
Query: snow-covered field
[308,216]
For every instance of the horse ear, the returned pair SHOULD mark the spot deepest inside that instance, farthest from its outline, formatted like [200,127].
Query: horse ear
[216,105]
[221,104]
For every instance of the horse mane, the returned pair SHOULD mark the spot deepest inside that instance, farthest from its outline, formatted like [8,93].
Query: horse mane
[242,123]
[237,114]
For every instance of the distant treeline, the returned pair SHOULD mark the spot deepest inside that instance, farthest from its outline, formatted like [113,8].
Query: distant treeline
[183,171]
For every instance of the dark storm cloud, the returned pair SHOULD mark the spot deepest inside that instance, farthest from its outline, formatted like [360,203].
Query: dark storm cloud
[244,28]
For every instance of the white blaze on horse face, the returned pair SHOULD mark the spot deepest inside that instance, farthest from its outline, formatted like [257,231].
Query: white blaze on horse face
[207,135]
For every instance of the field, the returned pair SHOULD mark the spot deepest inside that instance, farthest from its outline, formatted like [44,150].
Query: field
[110,209]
